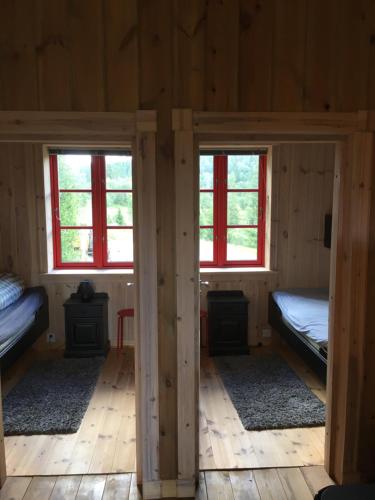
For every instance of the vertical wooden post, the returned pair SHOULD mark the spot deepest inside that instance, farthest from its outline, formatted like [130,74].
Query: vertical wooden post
[351,412]
[187,300]
[146,309]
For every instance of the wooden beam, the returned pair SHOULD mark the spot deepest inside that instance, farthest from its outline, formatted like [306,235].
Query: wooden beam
[146,310]
[276,123]
[187,294]
[38,126]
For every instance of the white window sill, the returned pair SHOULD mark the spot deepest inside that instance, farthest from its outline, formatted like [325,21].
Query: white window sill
[63,275]
[236,273]
[127,275]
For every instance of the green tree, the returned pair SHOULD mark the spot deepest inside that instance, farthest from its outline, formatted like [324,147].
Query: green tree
[119,218]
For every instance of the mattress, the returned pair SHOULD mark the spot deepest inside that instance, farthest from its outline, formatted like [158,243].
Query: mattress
[305,310]
[16,319]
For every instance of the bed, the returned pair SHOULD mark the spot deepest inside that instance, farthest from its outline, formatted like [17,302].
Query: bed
[300,316]
[21,323]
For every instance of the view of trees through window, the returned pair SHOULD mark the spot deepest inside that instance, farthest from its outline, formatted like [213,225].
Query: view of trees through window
[232,181]
[76,199]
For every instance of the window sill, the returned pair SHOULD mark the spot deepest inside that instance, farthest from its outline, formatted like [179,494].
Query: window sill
[63,275]
[236,273]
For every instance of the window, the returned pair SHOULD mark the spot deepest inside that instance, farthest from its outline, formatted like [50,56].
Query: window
[232,208]
[92,212]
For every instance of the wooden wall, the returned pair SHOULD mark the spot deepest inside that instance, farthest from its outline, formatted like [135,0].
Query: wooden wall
[302,189]
[267,55]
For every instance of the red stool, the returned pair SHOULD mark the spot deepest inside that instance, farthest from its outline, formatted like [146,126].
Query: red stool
[203,319]
[122,313]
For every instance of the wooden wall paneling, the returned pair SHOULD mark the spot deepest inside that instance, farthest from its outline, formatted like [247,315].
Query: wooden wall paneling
[283,167]
[288,55]
[187,300]
[349,449]
[304,184]
[29,218]
[156,91]
[275,201]
[53,53]
[146,306]
[367,432]
[222,55]
[6,193]
[256,27]
[370,20]
[353,41]
[42,194]
[120,22]
[320,67]
[18,64]
[189,64]
[86,37]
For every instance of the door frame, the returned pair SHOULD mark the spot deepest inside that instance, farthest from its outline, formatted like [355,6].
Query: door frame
[347,457]
[109,129]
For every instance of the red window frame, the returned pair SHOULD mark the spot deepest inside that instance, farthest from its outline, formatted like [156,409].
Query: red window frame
[99,225]
[220,226]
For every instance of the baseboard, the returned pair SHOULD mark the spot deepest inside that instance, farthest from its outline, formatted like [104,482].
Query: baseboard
[175,488]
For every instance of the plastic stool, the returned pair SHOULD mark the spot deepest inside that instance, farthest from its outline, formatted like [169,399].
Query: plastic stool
[121,314]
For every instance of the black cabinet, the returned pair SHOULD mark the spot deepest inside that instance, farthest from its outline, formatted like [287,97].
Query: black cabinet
[86,326]
[227,322]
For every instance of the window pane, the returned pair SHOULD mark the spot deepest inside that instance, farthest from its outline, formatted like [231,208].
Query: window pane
[118,172]
[242,209]
[206,172]
[119,209]
[74,171]
[206,214]
[243,171]
[120,245]
[206,245]
[77,245]
[75,209]
[242,244]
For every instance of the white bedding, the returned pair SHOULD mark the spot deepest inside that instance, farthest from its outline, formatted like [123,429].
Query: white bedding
[306,310]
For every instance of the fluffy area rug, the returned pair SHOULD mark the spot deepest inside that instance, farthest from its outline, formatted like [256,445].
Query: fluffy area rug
[52,397]
[267,394]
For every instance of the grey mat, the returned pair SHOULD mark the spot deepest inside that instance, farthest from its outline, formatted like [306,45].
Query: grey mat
[52,397]
[267,394]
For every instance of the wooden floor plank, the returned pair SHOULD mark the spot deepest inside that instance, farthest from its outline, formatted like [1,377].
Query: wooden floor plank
[269,485]
[91,487]
[40,488]
[218,485]
[294,484]
[15,488]
[201,493]
[134,493]
[316,478]
[66,488]
[243,485]
[117,486]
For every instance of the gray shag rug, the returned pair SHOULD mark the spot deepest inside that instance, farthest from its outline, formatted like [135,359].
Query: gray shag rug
[52,397]
[267,394]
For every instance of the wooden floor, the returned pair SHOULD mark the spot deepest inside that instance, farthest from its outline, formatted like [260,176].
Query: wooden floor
[225,444]
[262,484]
[105,442]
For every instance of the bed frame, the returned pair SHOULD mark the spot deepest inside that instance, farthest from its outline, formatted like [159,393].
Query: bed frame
[313,357]
[15,349]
